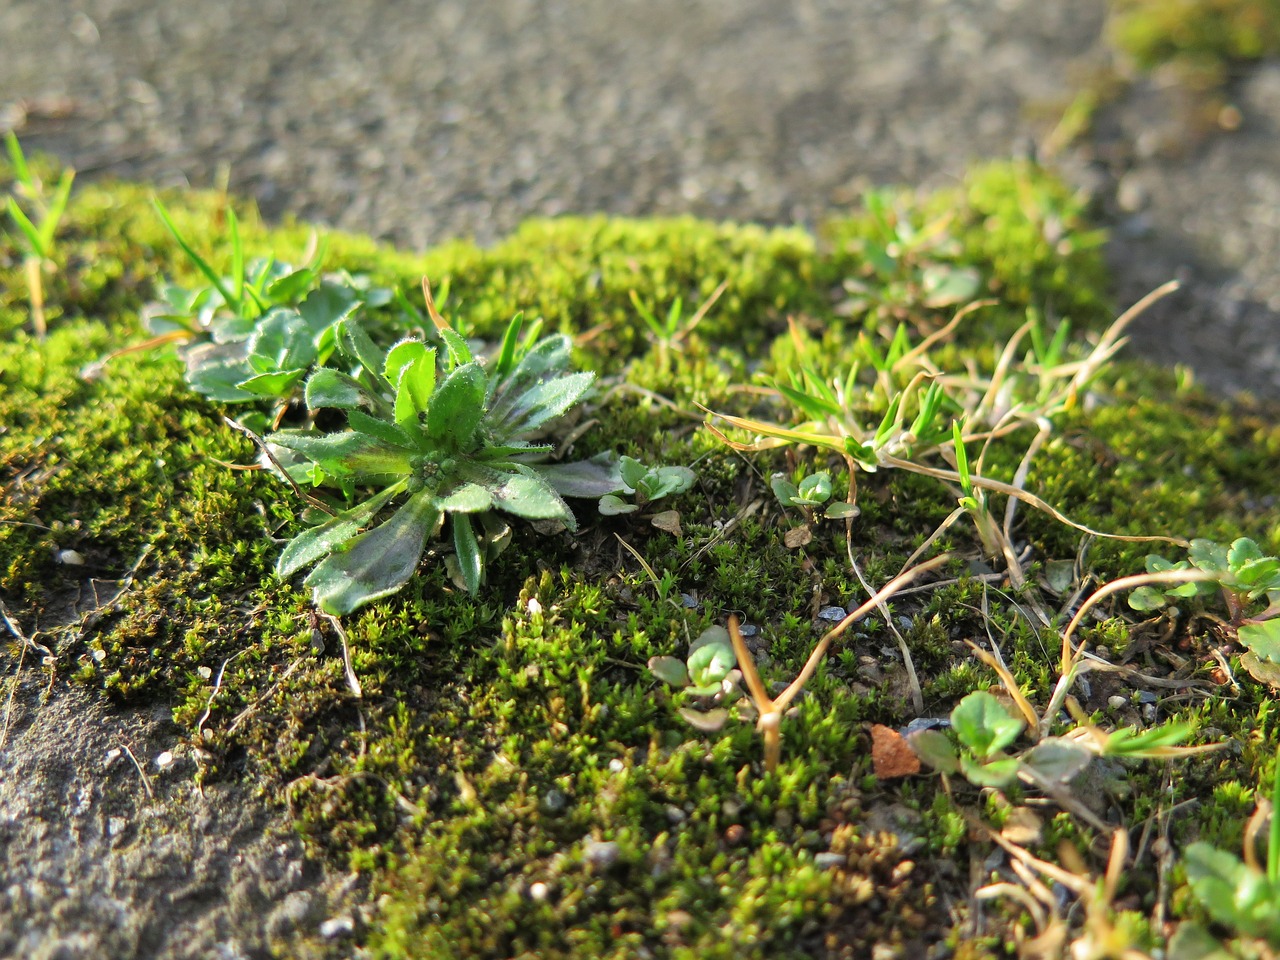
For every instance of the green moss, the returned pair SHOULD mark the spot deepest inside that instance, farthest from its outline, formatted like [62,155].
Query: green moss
[512,779]
[1203,38]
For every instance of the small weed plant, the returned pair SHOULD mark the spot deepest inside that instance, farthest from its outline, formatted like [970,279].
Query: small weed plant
[444,439]
[1241,895]
[39,228]
[1247,579]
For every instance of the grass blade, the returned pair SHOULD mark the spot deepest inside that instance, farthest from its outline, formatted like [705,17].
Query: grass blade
[57,207]
[28,228]
[20,169]
[201,264]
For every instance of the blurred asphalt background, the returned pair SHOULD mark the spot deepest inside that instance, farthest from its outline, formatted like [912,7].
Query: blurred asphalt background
[420,121]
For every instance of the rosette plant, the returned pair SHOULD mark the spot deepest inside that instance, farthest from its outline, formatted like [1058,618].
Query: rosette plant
[437,436]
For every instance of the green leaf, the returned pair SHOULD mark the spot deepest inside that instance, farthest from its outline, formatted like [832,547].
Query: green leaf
[1230,890]
[1131,742]
[28,228]
[203,266]
[1208,556]
[1145,599]
[1057,760]
[510,341]
[992,773]
[415,384]
[528,495]
[457,407]
[984,725]
[815,407]
[355,344]
[278,383]
[670,670]
[786,491]
[281,341]
[1192,942]
[348,453]
[467,551]
[710,664]
[329,388]
[312,544]
[632,472]
[587,479]
[842,510]
[613,506]
[816,488]
[381,429]
[377,563]
[537,404]
[21,172]
[1263,638]
[468,498]
[945,285]
[933,747]
[292,286]
[57,206]
[1243,551]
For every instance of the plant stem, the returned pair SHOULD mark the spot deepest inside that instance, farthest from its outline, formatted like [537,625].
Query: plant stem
[35,285]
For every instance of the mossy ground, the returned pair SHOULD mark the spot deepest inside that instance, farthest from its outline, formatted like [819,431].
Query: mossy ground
[499,740]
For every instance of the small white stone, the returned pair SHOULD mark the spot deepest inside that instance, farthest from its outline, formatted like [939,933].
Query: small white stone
[116,825]
[1117,702]
[71,558]
[616,765]
[336,927]
[204,672]
[164,759]
[539,891]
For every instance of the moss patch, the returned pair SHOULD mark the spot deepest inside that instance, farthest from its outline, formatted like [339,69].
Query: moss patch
[512,780]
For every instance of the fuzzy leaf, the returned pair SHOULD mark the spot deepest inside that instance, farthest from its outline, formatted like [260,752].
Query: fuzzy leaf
[346,454]
[281,341]
[467,553]
[457,407]
[313,543]
[377,563]
[468,498]
[539,403]
[387,432]
[356,344]
[278,383]
[330,388]
[530,496]
[586,478]
[411,366]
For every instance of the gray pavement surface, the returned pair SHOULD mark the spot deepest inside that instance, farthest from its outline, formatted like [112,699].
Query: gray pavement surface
[421,121]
